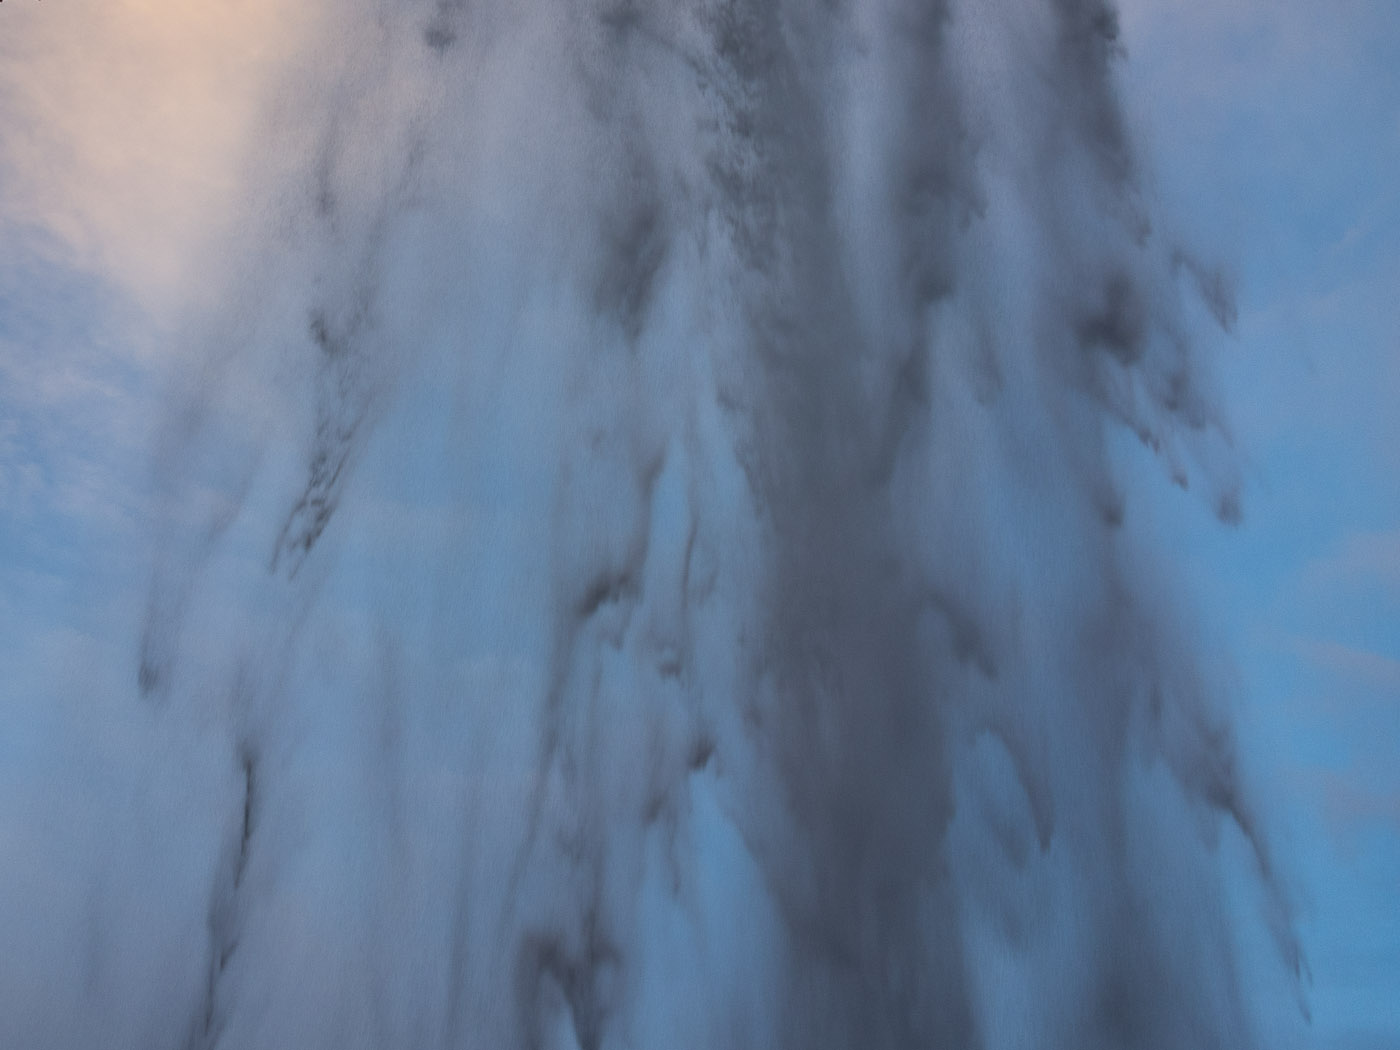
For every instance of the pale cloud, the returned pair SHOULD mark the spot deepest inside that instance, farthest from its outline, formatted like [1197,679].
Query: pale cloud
[1366,558]
[125,127]
[1350,802]
[126,124]
[1352,665]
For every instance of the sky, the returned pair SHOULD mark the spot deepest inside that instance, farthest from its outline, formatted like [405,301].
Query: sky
[1270,134]
[1274,130]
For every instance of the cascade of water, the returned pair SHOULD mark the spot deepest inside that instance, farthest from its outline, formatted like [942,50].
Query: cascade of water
[642,535]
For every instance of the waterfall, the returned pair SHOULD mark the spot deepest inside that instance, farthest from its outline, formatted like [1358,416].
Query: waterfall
[644,550]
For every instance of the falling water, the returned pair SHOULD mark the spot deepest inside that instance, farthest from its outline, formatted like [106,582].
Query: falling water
[643,548]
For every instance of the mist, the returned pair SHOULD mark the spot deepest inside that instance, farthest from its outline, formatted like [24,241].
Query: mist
[640,551]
